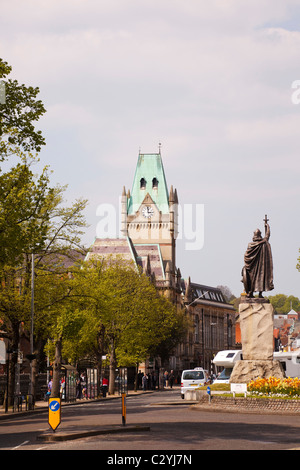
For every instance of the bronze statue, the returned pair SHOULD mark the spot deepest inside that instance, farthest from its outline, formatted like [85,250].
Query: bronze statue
[257,272]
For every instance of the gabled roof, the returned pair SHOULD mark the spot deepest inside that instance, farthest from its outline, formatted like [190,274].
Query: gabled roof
[200,293]
[147,256]
[149,166]
[110,247]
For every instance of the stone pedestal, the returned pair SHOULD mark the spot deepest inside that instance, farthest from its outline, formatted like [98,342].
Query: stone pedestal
[256,322]
[245,371]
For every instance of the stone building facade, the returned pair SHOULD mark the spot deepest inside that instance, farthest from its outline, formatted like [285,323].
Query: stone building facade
[213,325]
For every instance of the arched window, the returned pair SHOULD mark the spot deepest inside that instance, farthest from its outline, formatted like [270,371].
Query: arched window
[143,183]
[155,183]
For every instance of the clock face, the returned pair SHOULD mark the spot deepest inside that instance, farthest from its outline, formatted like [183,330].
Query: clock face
[147,211]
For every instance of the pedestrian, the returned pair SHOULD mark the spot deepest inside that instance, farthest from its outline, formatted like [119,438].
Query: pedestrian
[50,385]
[78,388]
[171,378]
[49,389]
[140,376]
[62,388]
[144,382]
[104,386]
[83,385]
[166,377]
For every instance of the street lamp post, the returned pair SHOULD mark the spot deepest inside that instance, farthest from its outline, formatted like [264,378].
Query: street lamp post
[31,400]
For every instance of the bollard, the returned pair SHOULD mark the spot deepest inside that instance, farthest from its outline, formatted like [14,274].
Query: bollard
[124,408]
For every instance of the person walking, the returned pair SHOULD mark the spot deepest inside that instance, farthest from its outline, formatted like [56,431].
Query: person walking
[144,382]
[104,386]
[166,377]
[78,389]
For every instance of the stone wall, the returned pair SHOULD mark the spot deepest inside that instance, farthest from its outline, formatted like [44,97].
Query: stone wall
[277,405]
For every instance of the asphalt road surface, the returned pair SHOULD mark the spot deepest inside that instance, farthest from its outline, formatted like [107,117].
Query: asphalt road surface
[175,427]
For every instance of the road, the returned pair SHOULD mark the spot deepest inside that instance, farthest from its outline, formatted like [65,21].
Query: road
[174,425]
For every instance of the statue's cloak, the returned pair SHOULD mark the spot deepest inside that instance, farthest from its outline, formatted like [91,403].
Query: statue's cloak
[258,269]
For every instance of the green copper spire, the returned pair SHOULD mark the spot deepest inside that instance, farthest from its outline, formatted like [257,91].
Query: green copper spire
[149,179]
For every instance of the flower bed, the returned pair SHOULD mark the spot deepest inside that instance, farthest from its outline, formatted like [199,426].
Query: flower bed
[272,387]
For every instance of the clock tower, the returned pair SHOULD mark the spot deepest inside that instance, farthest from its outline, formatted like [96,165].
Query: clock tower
[149,211]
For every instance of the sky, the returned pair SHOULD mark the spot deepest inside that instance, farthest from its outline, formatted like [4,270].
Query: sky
[215,83]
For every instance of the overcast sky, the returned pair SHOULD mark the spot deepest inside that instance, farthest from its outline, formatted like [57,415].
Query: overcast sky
[212,81]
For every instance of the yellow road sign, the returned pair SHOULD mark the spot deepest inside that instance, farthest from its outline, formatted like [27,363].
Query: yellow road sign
[54,416]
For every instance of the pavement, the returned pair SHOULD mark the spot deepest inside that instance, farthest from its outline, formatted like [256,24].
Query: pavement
[42,405]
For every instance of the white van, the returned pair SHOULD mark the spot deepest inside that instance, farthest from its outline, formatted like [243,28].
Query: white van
[191,379]
[226,359]
[290,361]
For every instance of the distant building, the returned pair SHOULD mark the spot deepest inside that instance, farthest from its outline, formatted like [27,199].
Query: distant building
[213,325]
[286,331]
[149,227]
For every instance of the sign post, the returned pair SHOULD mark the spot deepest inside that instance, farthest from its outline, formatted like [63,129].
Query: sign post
[54,416]
[238,388]
[123,391]
[209,394]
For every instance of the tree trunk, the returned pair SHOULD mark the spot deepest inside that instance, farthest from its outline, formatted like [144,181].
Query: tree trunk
[55,393]
[136,377]
[11,378]
[99,354]
[14,345]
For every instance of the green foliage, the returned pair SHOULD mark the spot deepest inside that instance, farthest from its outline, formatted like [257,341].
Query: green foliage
[216,387]
[283,303]
[24,211]
[18,115]
[119,312]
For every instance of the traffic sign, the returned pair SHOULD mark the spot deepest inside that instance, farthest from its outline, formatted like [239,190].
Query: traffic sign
[54,416]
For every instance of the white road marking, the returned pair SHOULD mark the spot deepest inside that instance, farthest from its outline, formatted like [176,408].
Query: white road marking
[23,443]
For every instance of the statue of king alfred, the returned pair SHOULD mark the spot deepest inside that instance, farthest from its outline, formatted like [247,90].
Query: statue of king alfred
[257,273]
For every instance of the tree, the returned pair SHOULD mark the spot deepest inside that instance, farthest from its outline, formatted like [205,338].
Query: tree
[229,297]
[119,313]
[24,210]
[18,115]
[33,219]
[283,304]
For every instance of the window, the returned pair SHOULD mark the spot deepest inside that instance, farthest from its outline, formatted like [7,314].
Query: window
[193,375]
[154,183]
[143,183]
[225,374]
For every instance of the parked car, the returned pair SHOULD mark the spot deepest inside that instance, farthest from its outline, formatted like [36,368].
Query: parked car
[191,379]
